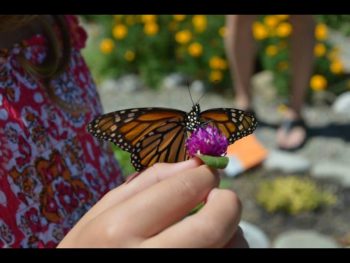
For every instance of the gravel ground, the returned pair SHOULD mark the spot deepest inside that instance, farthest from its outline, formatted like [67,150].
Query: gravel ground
[329,141]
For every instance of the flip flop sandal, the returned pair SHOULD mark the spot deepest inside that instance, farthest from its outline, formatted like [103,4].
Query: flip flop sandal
[288,126]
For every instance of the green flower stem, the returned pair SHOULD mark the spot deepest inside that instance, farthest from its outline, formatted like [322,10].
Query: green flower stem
[217,162]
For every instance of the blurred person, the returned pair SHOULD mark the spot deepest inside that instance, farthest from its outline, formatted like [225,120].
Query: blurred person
[241,51]
[59,185]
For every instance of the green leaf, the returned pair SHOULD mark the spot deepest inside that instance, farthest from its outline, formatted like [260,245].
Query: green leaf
[218,162]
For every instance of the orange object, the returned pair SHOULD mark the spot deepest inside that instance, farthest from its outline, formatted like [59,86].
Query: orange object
[249,151]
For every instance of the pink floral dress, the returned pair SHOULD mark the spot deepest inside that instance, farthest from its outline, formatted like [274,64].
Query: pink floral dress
[51,169]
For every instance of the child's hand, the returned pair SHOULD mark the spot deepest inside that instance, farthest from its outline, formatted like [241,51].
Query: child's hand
[149,211]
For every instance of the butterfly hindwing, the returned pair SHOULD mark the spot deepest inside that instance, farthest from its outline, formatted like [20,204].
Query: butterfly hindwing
[233,123]
[126,128]
[164,144]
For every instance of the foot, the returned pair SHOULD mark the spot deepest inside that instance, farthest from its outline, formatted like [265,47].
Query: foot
[292,133]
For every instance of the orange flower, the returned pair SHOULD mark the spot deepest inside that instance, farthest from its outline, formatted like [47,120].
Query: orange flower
[120,31]
[151,28]
[107,46]
[183,36]
[318,82]
[195,49]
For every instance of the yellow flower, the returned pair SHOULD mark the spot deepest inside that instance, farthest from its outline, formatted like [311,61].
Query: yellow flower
[284,29]
[319,50]
[120,31]
[321,32]
[151,28]
[148,18]
[222,31]
[271,21]
[282,108]
[118,18]
[282,17]
[333,54]
[217,63]
[106,45]
[271,50]
[179,18]
[129,55]
[199,22]
[183,36]
[283,65]
[318,82]
[130,20]
[337,67]
[215,76]
[195,49]
[259,31]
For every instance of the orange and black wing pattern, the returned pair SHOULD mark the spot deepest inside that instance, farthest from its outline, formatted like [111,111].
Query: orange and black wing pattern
[233,123]
[150,134]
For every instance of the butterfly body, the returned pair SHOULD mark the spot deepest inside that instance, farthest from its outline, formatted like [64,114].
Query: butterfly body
[154,135]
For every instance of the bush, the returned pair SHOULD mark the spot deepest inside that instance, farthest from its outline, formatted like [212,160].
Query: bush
[292,195]
[273,32]
[156,45]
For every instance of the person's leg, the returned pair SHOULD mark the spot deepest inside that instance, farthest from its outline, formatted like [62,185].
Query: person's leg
[302,44]
[241,50]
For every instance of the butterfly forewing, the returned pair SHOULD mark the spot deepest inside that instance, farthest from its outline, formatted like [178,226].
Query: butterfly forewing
[126,128]
[233,123]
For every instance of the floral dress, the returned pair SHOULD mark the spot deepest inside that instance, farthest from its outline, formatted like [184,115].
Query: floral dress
[51,169]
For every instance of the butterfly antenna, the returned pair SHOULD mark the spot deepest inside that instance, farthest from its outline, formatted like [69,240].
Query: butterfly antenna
[188,88]
[200,98]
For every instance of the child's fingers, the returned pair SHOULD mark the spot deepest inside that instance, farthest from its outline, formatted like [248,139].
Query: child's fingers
[145,179]
[212,226]
[161,205]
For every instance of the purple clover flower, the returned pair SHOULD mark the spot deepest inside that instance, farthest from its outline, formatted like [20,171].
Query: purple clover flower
[207,140]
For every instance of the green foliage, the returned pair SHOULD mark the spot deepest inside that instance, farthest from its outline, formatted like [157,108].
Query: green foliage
[337,22]
[156,45]
[123,158]
[292,195]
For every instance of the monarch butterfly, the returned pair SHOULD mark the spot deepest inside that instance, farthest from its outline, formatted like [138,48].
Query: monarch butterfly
[159,134]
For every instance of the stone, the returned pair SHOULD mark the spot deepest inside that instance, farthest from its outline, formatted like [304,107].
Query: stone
[304,239]
[332,169]
[255,237]
[286,162]
[197,86]
[173,81]
[342,103]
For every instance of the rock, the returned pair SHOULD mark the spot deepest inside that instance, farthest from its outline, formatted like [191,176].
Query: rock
[130,83]
[332,169]
[342,103]
[255,237]
[342,42]
[197,86]
[127,83]
[262,84]
[286,162]
[304,239]
[173,81]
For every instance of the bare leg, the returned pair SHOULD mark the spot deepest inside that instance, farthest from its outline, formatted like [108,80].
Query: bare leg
[241,50]
[302,44]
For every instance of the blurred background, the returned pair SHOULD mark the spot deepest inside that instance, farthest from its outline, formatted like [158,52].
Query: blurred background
[297,199]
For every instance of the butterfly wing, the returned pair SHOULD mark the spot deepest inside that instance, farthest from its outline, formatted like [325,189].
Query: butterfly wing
[233,123]
[166,143]
[148,133]
[126,128]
